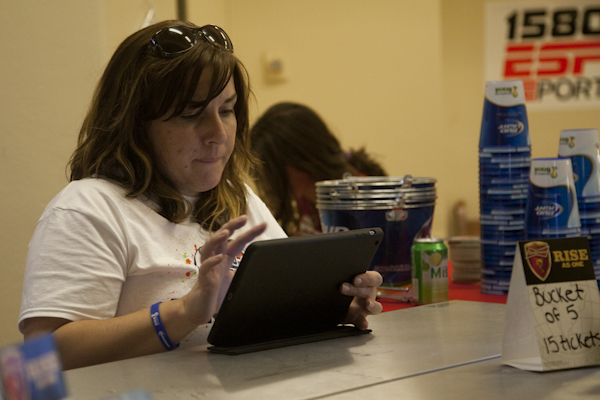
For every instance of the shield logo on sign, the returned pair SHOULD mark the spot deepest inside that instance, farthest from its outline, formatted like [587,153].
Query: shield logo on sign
[537,255]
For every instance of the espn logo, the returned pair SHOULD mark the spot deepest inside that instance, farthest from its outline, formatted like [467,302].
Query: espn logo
[554,69]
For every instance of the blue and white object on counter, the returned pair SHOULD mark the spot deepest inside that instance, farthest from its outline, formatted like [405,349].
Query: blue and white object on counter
[504,122]
[504,161]
[32,371]
[552,208]
[582,146]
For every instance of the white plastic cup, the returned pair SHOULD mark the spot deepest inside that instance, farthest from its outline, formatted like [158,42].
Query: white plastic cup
[504,122]
[552,207]
[582,146]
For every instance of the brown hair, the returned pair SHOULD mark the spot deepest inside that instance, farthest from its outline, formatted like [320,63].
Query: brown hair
[294,134]
[137,88]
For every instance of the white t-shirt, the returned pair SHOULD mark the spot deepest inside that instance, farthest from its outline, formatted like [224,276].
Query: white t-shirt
[96,254]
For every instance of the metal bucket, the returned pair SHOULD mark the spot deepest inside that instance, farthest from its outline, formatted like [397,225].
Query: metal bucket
[402,206]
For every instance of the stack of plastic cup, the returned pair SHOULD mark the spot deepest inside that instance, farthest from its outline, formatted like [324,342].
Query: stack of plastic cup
[552,208]
[582,147]
[504,161]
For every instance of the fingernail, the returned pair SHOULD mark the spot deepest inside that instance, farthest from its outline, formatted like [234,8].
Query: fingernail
[370,305]
[358,281]
[345,288]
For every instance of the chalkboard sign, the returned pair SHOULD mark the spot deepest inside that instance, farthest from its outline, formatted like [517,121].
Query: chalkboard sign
[553,308]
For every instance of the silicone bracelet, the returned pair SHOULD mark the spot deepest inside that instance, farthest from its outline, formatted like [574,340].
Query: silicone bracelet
[160,328]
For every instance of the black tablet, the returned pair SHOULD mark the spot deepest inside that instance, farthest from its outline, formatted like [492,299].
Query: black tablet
[287,291]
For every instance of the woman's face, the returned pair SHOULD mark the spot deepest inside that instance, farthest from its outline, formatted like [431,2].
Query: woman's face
[192,149]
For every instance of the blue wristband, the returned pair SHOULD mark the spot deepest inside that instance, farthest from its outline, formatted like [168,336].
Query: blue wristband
[160,328]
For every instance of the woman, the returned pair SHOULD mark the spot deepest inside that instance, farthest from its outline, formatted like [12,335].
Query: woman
[298,150]
[156,211]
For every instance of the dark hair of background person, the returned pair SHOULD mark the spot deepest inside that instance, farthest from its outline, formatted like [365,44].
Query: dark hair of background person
[295,135]
[137,88]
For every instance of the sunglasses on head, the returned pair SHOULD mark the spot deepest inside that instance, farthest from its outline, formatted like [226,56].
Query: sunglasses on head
[177,39]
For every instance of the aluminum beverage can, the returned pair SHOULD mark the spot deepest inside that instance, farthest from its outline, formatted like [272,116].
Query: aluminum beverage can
[429,258]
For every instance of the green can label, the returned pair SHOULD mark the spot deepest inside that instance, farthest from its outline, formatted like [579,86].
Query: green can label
[429,271]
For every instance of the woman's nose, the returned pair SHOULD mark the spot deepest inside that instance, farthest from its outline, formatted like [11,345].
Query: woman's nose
[213,130]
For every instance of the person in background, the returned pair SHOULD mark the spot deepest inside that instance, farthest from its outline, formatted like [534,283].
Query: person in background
[297,149]
[135,254]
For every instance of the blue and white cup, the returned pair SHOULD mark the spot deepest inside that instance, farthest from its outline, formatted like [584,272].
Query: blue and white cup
[504,122]
[552,209]
[582,146]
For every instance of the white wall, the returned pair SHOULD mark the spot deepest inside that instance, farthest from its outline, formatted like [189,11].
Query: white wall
[46,77]
[53,54]
[373,70]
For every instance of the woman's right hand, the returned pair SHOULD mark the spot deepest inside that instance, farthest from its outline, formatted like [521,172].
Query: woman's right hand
[215,274]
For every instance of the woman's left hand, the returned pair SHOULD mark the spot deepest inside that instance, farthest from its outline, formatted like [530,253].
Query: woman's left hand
[364,290]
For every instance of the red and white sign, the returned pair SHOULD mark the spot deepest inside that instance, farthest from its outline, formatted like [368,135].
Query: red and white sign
[552,46]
